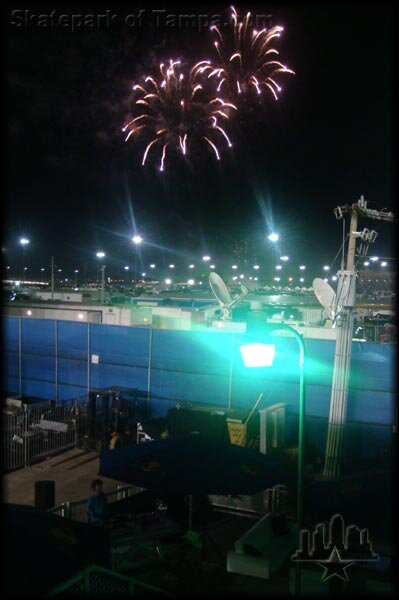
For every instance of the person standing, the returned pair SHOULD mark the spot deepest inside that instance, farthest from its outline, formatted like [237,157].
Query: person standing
[97,504]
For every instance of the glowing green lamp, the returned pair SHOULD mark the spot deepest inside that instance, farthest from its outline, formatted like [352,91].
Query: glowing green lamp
[262,355]
[258,355]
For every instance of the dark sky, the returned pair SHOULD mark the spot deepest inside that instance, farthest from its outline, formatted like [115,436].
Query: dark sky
[75,187]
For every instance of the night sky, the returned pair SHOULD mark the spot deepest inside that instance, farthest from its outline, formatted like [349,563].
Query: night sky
[74,186]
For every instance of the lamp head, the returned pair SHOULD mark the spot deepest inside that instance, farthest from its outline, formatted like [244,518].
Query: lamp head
[258,355]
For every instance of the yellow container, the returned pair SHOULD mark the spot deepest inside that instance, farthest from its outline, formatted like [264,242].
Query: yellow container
[237,432]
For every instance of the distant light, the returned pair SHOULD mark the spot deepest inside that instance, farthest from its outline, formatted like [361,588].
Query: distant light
[137,239]
[241,276]
[289,278]
[190,281]
[66,279]
[200,282]
[366,263]
[100,254]
[59,270]
[255,279]
[24,241]
[211,266]
[334,278]
[384,263]
[191,266]
[42,269]
[284,257]
[143,274]
[145,319]
[256,267]
[234,278]
[10,268]
[29,313]
[279,267]
[234,267]
[326,279]
[258,355]
[25,268]
[374,258]
[168,281]
[277,279]
[206,258]
[80,316]
[326,268]
[76,271]
[273,237]
[302,267]
[126,268]
[219,324]
[171,266]
[301,279]
[152,266]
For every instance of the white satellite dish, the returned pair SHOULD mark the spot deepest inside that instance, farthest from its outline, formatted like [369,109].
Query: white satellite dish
[159,287]
[222,294]
[219,289]
[326,296]
[250,285]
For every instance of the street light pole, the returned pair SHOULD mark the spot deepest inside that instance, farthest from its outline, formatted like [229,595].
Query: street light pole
[23,266]
[52,278]
[24,242]
[268,327]
[301,431]
[102,283]
[137,240]
[101,254]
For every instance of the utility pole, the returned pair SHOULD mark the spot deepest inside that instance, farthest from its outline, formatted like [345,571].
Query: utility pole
[52,278]
[346,300]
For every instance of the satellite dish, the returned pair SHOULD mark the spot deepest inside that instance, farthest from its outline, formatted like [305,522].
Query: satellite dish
[222,294]
[219,289]
[249,285]
[326,296]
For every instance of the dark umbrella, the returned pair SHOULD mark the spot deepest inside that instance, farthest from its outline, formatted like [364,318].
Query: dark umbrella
[191,464]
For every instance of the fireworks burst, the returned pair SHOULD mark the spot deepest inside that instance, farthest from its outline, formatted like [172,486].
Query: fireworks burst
[247,59]
[179,109]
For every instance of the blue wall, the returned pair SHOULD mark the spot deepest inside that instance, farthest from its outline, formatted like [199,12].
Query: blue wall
[188,366]
[42,357]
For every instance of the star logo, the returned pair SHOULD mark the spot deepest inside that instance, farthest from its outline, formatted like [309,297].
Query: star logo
[335,547]
[334,565]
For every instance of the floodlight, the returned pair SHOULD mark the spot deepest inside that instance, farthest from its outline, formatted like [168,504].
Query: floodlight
[273,237]
[258,355]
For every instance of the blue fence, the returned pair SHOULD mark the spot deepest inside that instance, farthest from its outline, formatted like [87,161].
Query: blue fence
[61,360]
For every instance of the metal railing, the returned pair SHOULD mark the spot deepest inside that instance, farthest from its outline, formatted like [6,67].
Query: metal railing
[32,434]
[77,510]
[368,332]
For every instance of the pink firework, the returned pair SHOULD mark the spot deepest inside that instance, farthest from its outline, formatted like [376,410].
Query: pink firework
[247,59]
[179,108]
